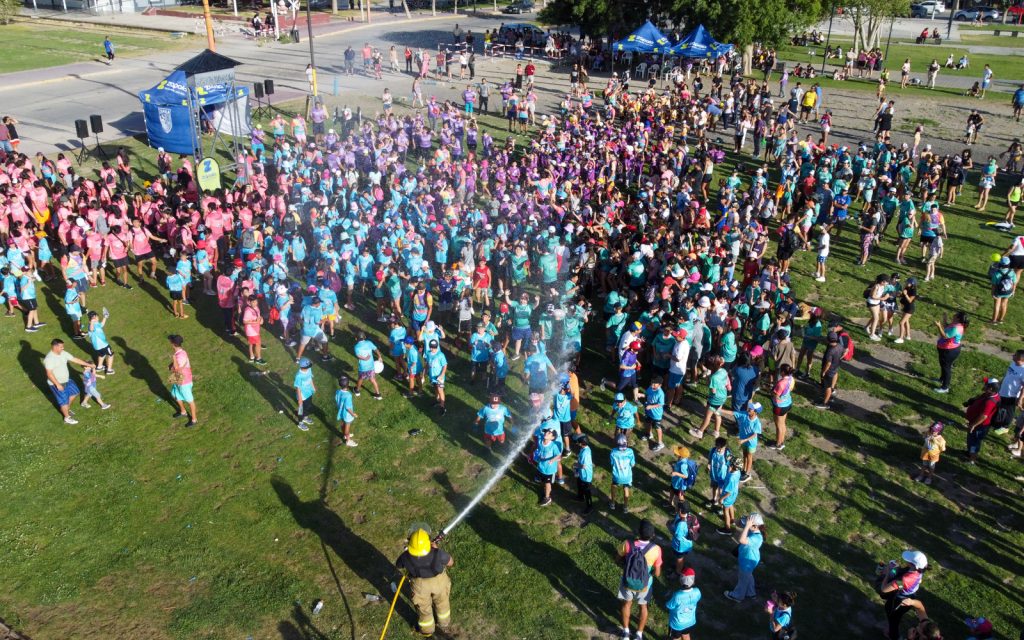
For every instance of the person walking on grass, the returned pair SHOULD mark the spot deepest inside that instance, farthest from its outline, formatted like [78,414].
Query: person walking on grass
[730,491]
[897,587]
[437,366]
[951,335]
[1004,283]
[748,556]
[622,460]
[931,451]
[58,377]
[584,471]
[108,50]
[642,560]
[908,304]
[782,402]
[252,323]
[980,412]
[346,411]
[304,390]
[98,338]
[368,356]
[682,606]
[181,381]
[548,457]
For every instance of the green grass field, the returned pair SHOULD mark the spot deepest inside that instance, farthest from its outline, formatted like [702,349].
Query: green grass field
[36,46]
[130,526]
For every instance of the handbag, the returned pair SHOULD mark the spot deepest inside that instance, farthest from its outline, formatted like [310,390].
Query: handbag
[175,378]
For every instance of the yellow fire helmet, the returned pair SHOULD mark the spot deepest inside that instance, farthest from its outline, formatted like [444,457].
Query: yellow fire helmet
[419,543]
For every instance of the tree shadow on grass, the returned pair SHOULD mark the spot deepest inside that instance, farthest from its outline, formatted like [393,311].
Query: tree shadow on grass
[586,594]
[140,369]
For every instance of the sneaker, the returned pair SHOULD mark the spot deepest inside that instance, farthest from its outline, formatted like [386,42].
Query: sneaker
[1016,453]
[625,508]
[819,279]
[351,443]
[928,480]
[745,477]
[40,325]
[292,344]
[358,393]
[625,634]
[30,329]
[86,405]
[612,506]
[546,502]
[823,407]
[303,426]
[729,595]
[941,390]
[658,447]
[180,414]
[1001,431]
[560,481]
[260,361]
[696,434]
[443,410]
[70,420]
[723,532]
[307,420]
[644,437]
[110,372]
[105,406]
[191,423]
[875,337]
[378,396]
[898,341]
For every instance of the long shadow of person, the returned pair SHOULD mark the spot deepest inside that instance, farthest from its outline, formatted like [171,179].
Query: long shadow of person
[361,557]
[31,362]
[558,567]
[141,369]
[302,628]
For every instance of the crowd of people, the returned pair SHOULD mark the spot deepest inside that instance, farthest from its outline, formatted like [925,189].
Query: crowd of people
[613,224]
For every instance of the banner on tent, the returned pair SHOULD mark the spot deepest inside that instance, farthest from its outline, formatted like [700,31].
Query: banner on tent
[168,127]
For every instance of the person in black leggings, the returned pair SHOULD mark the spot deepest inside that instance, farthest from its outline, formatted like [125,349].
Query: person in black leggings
[951,333]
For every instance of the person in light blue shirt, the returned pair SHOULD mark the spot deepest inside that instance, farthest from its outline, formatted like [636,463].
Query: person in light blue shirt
[624,413]
[176,288]
[682,606]
[304,390]
[479,352]
[780,613]
[73,307]
[100,344]
[437,367]
[730,491]
[548,457]
[622,461]
[584,471]
[413,364]
[499,366]
[562,411]
[748,556]
[537,367]
[719,459]
[684,474]
[312,317]
[654,411]
[681,542]
[396,338]
[493,416]
[27,300]
[749,426]
[367,356]
[346,411]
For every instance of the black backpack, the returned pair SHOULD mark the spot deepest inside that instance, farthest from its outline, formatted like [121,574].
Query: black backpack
[637,574]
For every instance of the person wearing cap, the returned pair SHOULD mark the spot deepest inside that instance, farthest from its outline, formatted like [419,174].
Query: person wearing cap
[898,584]
[1004,282]
[498,369]
[654,411]
[313,320]
[624,413]
[367,356]
[425,565]
[622,460]
[479,352]
[436,366]
[181,380]
[548,457]
[677,369]
[748,425]
[644,541]
[562,412]
[304,390]
[413,361]
[346,414]
[748,556]
[493,415]
[682,606]
[683,475]
[831,361]
[252,324]
[396,341]
[980,411]
[536,370]
[583,470]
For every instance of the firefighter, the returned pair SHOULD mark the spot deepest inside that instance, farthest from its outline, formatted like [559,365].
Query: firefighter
[425,564]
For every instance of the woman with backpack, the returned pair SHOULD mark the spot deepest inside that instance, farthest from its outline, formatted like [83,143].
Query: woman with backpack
[1004,282]
[951,334]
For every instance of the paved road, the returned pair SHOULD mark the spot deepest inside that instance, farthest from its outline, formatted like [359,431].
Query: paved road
[48,101]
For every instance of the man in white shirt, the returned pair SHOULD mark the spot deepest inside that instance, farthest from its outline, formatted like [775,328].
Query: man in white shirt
[58,376]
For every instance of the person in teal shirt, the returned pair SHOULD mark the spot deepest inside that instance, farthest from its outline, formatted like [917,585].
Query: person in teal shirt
[718,393]
[730,491]
[548,264]
[176,286]
[624,413]
[622,461]
[584,470]
[479,352]
[346,411]
[493,416]
[367,356]
[437,367]
[499,366]
[413,364]
[654,411]
[522,312]
[572,329]
[536,369]
[548,457]
[73,307]
[682,606]
[748,556]
[614,327]
[100,344]
[562,411]
[681,542]
[304,390]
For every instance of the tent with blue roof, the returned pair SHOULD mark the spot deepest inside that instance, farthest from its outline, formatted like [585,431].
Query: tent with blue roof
[699,44]
[647,39]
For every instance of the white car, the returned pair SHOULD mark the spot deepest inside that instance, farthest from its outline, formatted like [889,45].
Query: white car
[927,9]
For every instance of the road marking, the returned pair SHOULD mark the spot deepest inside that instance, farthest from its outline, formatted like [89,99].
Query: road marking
[80,76]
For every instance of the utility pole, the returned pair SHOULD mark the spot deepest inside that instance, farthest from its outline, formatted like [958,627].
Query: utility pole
[828,37]
[210,44]
[309,35]
[885,58]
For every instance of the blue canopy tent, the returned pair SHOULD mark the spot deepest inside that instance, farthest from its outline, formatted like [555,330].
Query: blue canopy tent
[175,108]
[699,44]
[647,39]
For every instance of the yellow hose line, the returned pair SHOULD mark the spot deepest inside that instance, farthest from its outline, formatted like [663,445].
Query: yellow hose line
[394,601]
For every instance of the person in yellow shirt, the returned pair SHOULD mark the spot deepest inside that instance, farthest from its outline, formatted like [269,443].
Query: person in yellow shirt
[807,104]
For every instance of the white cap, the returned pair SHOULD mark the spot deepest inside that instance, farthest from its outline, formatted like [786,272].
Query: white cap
[915,558]
[756,520]
[704,303]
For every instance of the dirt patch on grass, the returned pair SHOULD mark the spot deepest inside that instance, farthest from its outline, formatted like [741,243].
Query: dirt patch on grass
[860,405]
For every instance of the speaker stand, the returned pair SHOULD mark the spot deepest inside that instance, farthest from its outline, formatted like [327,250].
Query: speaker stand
[83,151]
[99,148]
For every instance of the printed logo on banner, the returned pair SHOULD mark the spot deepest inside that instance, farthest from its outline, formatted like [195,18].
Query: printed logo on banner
[165,119]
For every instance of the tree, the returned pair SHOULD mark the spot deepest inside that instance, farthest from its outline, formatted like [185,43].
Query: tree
[9,9]
[869,16]
[743,22]
[613,18]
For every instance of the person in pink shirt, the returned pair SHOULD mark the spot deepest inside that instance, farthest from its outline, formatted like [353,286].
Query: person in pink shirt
[181,380]
[226,295]
[116,253]
[94,247]
[141,247]
[252,322]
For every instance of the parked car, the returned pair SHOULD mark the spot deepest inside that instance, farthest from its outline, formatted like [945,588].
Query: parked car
[533,36]
[976,13]
[927,9]
[521,6]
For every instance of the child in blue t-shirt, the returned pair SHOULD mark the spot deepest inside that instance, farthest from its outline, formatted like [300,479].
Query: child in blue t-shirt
[718,468]
[346,411]
[681,542]
[622,461]
[304,390]
[682,606]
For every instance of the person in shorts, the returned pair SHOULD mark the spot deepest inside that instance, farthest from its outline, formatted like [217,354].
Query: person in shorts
[312,318]
[493,416]
[437,366]
[98,338]
[652,553]
[58,377]
[181,381]
[252,322]
[830,364]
